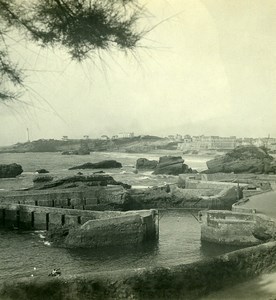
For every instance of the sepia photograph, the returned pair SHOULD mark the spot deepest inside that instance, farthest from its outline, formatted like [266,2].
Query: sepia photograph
[137,149]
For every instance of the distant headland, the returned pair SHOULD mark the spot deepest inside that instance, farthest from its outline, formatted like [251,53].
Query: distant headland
[130,143]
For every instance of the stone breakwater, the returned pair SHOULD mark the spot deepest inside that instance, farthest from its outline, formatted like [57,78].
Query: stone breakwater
[130,228]
[81,228]
[178,281]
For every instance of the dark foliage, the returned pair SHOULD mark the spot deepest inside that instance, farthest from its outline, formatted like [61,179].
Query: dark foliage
[80,26]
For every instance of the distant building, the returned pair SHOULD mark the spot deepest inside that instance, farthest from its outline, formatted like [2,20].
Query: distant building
[104,137]
[64,138]
[207,143]
[225,143]
[239,142]
[269,142]
[178,137]
[122,135]
[86,137]
[187,139]
[272,147]
[258,142]
[247,141]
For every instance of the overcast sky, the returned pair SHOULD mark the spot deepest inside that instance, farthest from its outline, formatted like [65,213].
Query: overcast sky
[210,68]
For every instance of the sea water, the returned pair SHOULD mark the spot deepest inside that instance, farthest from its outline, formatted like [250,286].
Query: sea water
[29,254]
[58,166]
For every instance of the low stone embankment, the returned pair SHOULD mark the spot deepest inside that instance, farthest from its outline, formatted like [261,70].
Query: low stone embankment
[180,281]
[256,183]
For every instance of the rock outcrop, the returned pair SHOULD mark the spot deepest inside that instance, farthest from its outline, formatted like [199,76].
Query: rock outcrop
[272,167]
[80,181]
[76,152]
[105,164]
[41,179]
[172,165]
[42,171]
[243,159]
[83,152]
[148,198]
[146,164]
[10,171]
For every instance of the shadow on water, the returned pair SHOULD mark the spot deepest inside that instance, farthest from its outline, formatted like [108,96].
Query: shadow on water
[208,249]
[119,257]
[114,253]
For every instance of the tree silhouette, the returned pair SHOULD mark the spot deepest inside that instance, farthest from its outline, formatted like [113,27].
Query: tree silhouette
[79,26]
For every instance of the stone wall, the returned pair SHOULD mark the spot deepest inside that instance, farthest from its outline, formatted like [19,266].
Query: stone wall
[256,179]
[42,218]
[237,208]
[249,193]
[200,184]
[236,228]
[206,198]
[173,197]
[195,193]
[183,177]
[89,198]
[178,281]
